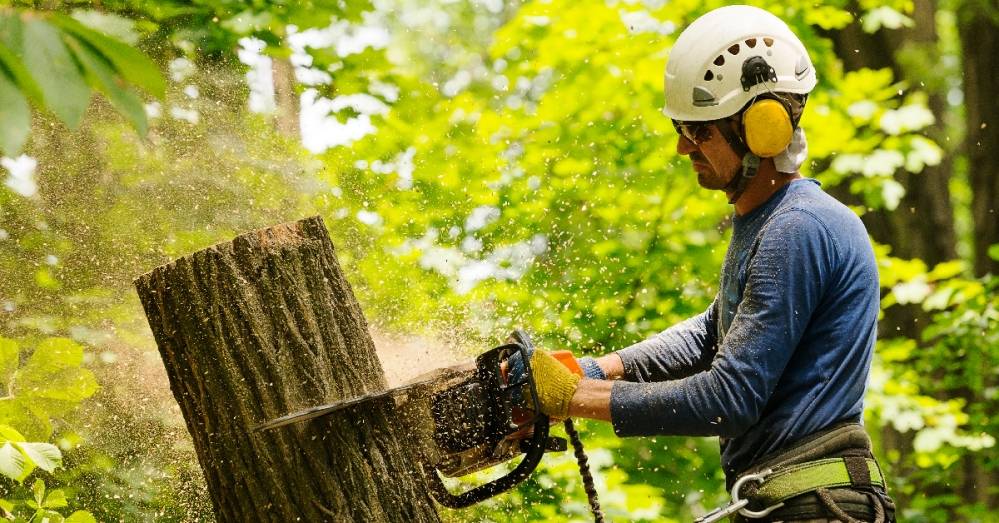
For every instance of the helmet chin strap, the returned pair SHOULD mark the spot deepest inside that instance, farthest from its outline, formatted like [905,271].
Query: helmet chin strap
[750,163]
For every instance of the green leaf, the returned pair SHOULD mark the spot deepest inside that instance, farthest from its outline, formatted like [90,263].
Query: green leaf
[12,462]
[994,252]
[15,115]
[11,31]
[53,68]
[55,499]
[9,355]
[81,516]
[886,17]
[11,49]
[9,433]
[49,516]
[16,413]
[100,75]
[113,25]
[50,383]
[248,22]
[944,270]
[46,456]
[53,372]
[131,64]
[38,489]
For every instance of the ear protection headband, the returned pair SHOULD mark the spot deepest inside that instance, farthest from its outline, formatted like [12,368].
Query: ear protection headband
[769,121]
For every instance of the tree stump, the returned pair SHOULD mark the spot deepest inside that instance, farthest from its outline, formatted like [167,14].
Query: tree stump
[262,326]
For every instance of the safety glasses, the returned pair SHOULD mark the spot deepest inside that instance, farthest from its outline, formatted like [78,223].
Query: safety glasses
[696,132]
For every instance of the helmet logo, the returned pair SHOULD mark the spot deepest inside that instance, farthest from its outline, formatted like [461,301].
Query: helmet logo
[755,71]
[703,97]
[801,67]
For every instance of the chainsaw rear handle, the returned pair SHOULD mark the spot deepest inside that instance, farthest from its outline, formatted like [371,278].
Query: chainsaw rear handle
[535,448]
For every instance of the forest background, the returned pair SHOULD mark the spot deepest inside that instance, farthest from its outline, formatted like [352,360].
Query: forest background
[481,166]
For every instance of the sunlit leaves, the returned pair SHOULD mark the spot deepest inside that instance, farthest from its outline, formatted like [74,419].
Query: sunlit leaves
[884,17]
[49,383]
[54,62]
[53,68]
[828,17]
[18,457]
[15,115]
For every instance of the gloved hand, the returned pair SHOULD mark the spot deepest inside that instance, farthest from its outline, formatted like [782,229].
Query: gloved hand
[586,367]
[554,382]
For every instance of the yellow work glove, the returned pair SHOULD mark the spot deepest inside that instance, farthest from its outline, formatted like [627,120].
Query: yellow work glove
[554,382]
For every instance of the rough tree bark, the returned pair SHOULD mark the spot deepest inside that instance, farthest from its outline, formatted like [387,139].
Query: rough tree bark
[267,324]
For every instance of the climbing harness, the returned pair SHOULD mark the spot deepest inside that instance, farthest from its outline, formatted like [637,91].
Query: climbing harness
[830,474]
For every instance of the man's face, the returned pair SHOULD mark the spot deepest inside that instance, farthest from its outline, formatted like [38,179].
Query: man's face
[713,158]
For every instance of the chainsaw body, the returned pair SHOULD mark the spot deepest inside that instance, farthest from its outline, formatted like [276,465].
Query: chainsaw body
[486,420]
[480,419]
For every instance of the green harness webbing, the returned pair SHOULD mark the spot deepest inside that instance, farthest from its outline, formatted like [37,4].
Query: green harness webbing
[802,478]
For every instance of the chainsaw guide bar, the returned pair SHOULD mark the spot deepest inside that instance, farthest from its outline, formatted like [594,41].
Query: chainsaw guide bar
[417,387]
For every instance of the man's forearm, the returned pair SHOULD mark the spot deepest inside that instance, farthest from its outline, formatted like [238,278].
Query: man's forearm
[612,366]
[592,399]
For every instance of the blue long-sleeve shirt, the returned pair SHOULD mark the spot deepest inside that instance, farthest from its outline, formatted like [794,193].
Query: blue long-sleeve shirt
[785,348]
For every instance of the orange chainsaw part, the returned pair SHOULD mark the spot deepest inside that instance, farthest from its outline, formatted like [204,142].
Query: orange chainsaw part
[566,358]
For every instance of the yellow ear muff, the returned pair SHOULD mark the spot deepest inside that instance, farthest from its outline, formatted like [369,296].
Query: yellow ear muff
[767,127]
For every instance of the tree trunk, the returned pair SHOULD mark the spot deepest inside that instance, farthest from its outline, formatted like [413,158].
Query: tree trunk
[978,26]
[261,326]
[286,117]
[923,224]
[978,23]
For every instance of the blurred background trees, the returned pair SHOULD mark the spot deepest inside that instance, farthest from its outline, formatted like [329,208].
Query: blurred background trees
[481,165]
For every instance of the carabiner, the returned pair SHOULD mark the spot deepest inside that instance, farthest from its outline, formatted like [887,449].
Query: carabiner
[759,477]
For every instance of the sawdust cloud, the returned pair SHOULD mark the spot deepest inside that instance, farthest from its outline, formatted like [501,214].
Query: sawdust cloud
[405,357]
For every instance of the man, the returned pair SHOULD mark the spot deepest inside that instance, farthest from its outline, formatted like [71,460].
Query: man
[777,365]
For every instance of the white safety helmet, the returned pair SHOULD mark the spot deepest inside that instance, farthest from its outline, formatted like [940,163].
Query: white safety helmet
[705,72]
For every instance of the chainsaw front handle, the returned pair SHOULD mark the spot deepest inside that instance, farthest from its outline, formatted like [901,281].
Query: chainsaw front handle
[491,371]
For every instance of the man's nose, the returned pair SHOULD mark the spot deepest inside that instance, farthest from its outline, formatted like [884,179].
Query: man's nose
[685,146]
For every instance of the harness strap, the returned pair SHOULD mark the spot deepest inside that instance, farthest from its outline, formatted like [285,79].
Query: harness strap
[795,480]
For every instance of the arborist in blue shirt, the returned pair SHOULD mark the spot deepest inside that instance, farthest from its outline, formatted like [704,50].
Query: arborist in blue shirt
[777,365]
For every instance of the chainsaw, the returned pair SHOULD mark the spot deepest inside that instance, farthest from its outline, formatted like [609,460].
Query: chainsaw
[483,415]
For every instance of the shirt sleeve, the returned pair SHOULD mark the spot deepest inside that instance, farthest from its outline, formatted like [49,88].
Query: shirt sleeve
[784,282]
[679,351]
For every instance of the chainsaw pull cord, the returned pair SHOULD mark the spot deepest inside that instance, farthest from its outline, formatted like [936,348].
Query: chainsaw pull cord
[584,471]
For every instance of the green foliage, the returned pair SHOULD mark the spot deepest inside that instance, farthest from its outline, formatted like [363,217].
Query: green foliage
[41,506]
[49,383]
[522,175]
[54,61]
[948,414]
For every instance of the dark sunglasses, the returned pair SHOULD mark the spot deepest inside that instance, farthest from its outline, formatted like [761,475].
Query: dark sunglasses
[696,132]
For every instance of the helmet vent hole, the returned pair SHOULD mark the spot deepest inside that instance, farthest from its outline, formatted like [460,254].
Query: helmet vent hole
[769,42]
[734,50]
[708,76]
[720,60]
[751,43]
